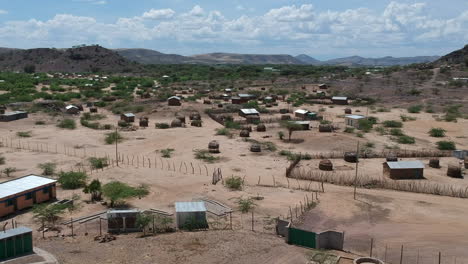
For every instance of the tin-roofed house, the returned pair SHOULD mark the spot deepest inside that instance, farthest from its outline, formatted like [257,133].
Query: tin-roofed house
[340,100]
[191,215]
[128,117]
[12,116]
[248,112]
[305,114]
[16,242]
[24,192]
[404,170]
[353,120]
[174,101]
[72,109]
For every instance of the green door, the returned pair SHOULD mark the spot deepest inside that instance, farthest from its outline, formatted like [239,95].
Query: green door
[302,238]
[19,245]
[2,250]
[28,244]
[10,247]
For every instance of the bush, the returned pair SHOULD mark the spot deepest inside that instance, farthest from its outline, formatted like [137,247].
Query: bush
[122,123]
[281,135]
[415,109]
[2,160]
[40,122]
[72,180]
[166,153]
[107,126]
[117,191]
[113,137]
[381,130]
[48,168]
[162,125]
[446,145]
[232,124]
[223,132]
[405,118]
[396,132]
[205,155]
[234,183]
[349,130]
[67,124]
[365,125]
[406,140]
[392,123]
[24,133]
[245,205]
[295,156]
[437,132]
[98,163]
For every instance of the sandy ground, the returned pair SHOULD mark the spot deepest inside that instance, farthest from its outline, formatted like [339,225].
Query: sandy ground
[425,222]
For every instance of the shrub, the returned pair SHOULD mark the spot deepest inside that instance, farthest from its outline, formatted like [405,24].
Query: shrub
[406,140]
[234,183]
[405,118]
[365,125]
[437,132]
[122,123]
[117,191]
[48,168]
[232,124]
[349,130]
[107,126]
[381,130]
[205,155]
[392,123]
[446,145]
[162,125]
[67,124]
[72,180]
[223,132]
[98,163]
[415,109]
[281,135]
[396,132]
[8,171]
[166,153]
[245,205]
[24,133]
[40,122]
[295,156]
[359,134]
[113,137]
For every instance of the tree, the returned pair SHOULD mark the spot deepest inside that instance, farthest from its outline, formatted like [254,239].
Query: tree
[95,189]
[117,191]
[48,213]
[48,168]
[8,171]
[143,221]
[30,68]
[291,127]
[72,179]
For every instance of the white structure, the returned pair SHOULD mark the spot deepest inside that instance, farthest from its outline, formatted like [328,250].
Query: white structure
[248,112]
[353,120]
[191,215]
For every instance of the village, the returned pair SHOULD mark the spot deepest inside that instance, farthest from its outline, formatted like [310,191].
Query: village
[277,180]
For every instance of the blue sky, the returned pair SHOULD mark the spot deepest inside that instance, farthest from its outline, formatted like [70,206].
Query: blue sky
[322,29]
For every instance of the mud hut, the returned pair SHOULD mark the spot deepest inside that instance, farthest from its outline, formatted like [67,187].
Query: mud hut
[261,128]
[454,171]
[434,163]
[244,133]
[174,101]
[176,123]
[404,170]
[144,121]
[248,128]
[285,117]
[220,105]
[255,148]
[326,165]
[351,157]
[195,116]
[181,118]
[213,146]
[348,111]
[325,128]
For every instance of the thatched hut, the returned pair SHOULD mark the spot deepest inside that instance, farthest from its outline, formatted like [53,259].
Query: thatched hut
[176,123]
[285,117]
[144,121]
[454,171]
[196,123]
[261,128]
[255,148]
[174,101]
[351,157]
[434,163]
[195,116]
[244,133]
[220,105]
[213,146]
[348,111]
[248,128]
[325,128]
[326,165]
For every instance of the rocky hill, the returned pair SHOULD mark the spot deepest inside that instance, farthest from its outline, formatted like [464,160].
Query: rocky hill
[147,56]
[233,58]
[80,59]
[456,57]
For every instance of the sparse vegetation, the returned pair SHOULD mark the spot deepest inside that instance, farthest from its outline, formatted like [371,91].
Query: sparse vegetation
[95,189]
[405,139]
[406,118]
[349,130]
[9,170]
[48,168]
[204,155]
[25,134]
[234,183]
[113,137]
[98,163]
[392,123]
[166,153]
[162,125]
[40,123]
[223,132]
[67,124]
[245,204]
[295,156]
[117,192]
[72,180]
[437,132]
[415,109]
[446,145]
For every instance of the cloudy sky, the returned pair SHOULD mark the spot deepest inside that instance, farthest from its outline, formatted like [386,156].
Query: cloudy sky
[322,29]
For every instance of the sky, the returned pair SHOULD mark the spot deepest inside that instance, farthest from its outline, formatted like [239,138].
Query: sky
[323,29]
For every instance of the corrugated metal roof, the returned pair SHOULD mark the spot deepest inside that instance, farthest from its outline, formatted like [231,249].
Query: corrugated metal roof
[339,98]
[123,211]
[13,113]
[301,111]
[70,107]
[174,97]
[129,115]
[245,95]
[23,184]
[190,207]
[251,111]
[410,164]
[355,116]
[302,122]
[14,232]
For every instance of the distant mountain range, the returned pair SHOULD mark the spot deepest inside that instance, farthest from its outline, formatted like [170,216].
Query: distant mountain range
[360,61]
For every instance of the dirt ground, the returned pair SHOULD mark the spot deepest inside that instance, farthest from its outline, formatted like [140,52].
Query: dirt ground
[425,222]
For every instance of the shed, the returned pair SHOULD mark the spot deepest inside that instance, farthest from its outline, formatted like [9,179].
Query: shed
[401,170]
[301,113]
[16,242]
[122,220]
[128,117]
[72,109]
[24,192]
[323,86]
[304,124]
[191,215]
[12,116]
[174,101]
[248,112]
[353,120]
[340,100]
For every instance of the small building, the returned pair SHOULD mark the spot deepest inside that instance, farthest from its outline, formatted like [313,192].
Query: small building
[323,86]
[404,170]
[340,100]
[128,117]
[174,101]
[72,109]
[191,215]
[228,90]
[353,120]
[460,154]
[24,192]
[12,116]
[305,125]
[237,100]
[15,242]
[248,112]
[122,220]
[269,99]
[301,113]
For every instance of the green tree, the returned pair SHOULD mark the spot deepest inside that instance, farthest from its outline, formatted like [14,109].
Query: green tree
[72,180]
[143,221]
[48,213]
[291,127]
[48,168]
[117,192]
[95,189]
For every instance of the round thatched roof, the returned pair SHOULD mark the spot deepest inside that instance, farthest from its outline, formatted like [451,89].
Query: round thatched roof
[350,156]
[176,123]
[255,148]
[454,171]
[326,165]
[244,133]
[434,163]
[213,144]
[261,128]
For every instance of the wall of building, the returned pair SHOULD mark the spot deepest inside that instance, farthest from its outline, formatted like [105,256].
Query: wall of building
[330,240]
[6,210]
[22,202]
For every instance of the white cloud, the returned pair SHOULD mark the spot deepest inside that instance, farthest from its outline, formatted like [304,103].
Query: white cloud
[158,14]
[3,12]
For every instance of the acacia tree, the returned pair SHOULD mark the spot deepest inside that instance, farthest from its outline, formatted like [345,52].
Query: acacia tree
[143,221]
[95,189]
[48,213]
[291,127]
[117,191]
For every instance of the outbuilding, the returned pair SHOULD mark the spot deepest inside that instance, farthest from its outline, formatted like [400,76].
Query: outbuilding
[24,192]
[305,125]
[191,215]
[72,109]
[353,120]
[404,170]
[301,113]
[12,116]
[340,100]
[15,243]
[123,220]
[128,117]
[248,112]
[174,101]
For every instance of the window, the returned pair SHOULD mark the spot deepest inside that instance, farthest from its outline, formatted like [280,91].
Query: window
[45,190]
[10,202]
[29,196]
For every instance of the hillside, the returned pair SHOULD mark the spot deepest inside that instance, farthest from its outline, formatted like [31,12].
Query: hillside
[456,57]
[233,58]
[308,60]
[147,56]
[360,61]
[82,59]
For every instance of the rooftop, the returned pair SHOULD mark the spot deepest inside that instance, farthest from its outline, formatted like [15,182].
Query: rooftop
[174,97]
[355,116]
[14,232]
[14,113]
[23,184]
[250,111]
[301,111]
[412,164]
[339,98]
[190,207]
[129,115]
